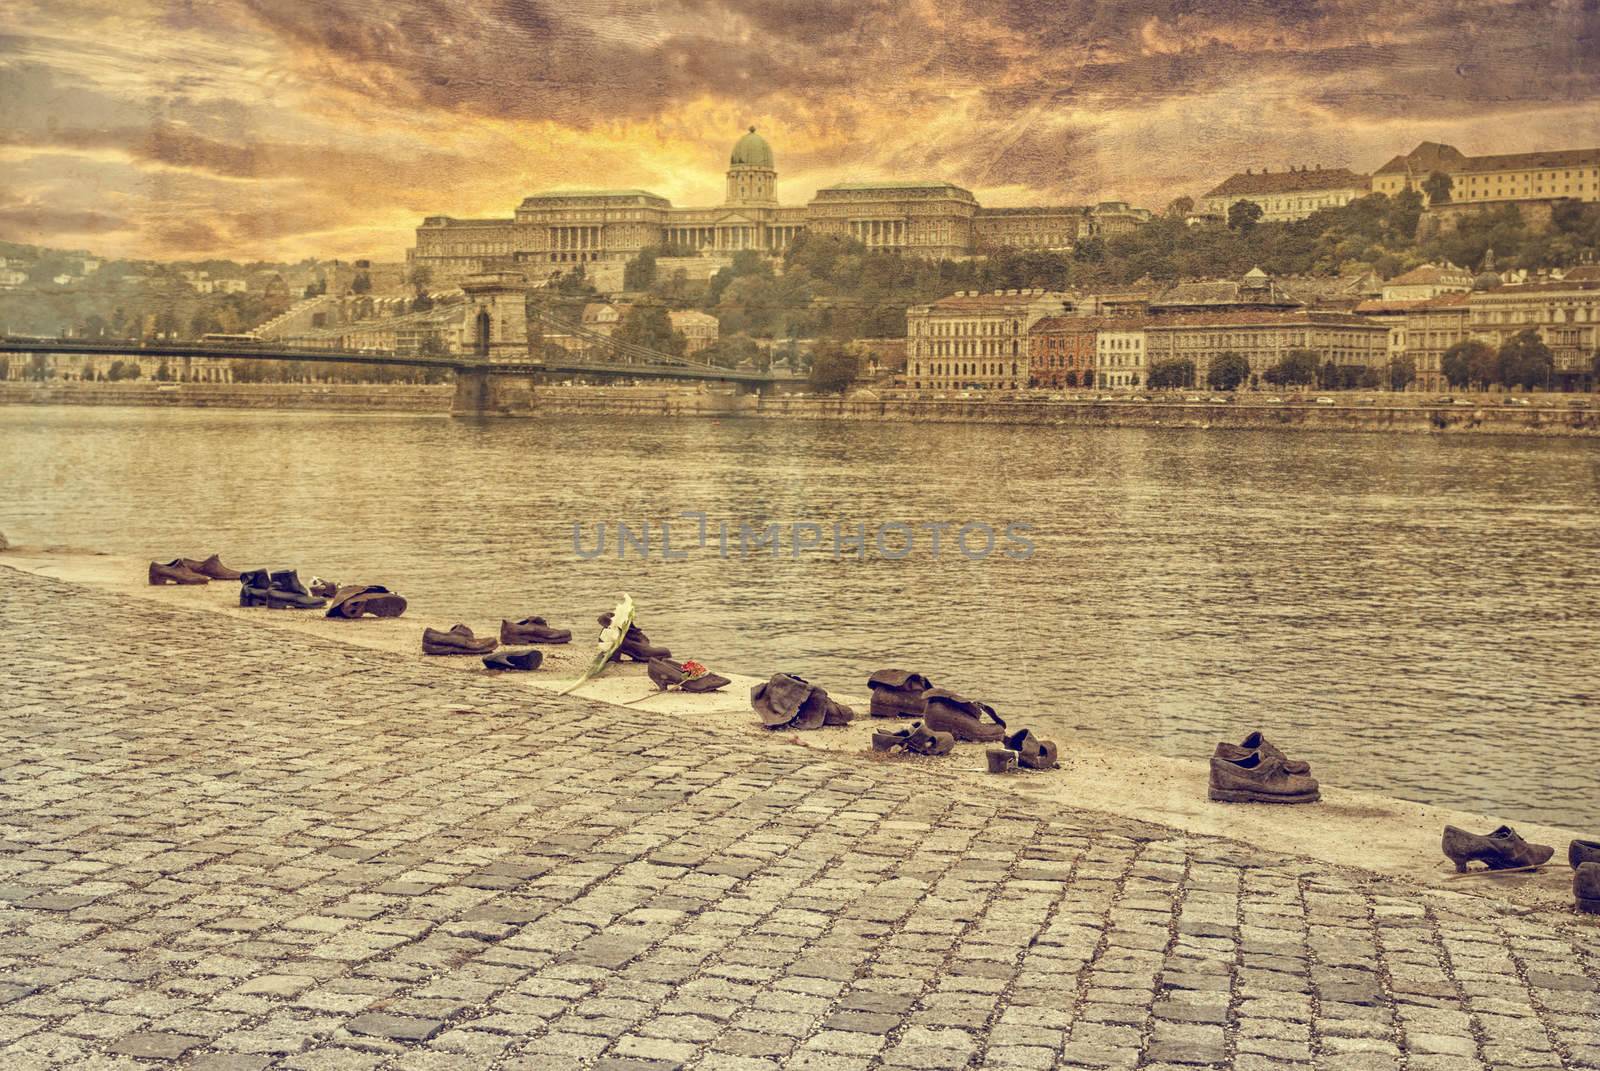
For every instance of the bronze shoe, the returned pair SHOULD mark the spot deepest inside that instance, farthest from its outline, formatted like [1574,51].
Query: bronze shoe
[1256,742]
[962,717]
[1259,778]
[459,640]
[1032,753]
[897,693]
[790,702]
[211,567]
[668,674]
[1580,852]
[175,572]
[532,630]
[354,600]
[1500,850]
[635,645]
[1586,888]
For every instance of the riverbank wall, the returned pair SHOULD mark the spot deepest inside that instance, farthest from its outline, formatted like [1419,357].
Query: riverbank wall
[395,397]
[1489,415]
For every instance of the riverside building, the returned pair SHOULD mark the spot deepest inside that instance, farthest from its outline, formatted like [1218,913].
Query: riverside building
[560,229]
[1264,339]
[972,339]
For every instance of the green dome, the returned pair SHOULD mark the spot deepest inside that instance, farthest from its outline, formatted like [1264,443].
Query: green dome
[752,150]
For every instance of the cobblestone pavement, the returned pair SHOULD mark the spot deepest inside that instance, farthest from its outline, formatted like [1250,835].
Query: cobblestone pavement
[235,848]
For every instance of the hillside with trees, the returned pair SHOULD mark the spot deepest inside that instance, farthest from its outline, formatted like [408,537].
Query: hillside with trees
[833,287]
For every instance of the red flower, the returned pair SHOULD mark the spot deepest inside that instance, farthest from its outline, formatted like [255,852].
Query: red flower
[695,669]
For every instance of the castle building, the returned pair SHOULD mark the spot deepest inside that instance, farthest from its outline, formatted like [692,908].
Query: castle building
[1519,176]
[559,229]
[1285,195]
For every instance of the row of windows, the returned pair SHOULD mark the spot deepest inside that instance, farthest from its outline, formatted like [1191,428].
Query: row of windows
[962,328]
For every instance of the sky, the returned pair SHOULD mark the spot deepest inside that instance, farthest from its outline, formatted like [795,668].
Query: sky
[279,129]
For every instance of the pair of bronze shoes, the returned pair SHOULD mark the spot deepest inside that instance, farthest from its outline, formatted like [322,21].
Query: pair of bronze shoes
[190,571]
[635,645]
[459,640]
[280,589]
[790,702]
[1256,771]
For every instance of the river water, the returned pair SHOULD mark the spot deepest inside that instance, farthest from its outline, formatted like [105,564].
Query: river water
[1415,615]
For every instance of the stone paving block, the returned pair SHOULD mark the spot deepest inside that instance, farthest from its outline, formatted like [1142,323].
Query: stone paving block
[394,1027]
[155,1045]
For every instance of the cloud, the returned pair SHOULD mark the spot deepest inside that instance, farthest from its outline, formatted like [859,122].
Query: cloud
[254,127]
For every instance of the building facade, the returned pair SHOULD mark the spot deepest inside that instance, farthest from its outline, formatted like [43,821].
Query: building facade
[557,230]
[1061,352]
[1504,177]
[1428,281]
[1265,338]
[975,340]
[1120,352]
[699,329]
[1432,327]
[1285,195]
[1565,314]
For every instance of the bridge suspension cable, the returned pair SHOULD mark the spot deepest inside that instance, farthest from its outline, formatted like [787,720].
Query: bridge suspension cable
[631,353]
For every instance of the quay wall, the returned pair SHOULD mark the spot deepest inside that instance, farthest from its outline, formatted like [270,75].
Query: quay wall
[1487,416]
[396,397]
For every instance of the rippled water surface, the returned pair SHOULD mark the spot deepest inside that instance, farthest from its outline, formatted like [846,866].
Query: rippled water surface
[1415,615]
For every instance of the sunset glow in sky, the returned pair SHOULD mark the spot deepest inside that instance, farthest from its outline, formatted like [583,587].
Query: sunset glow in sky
[287,128]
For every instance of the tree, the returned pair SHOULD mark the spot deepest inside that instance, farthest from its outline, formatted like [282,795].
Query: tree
[1402,373]
[1298,368]
[1180,207]
[1167,375]
[1227,371]
[640,272]
[650,326]
[163,373]
[361,284]
[1405,212]
[1438,186]
[833,368]
[40,368]
[1243,216]
[1525,361]
[1469,362]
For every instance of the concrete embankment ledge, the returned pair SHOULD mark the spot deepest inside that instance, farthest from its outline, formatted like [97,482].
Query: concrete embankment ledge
[1554,415]
[236,836]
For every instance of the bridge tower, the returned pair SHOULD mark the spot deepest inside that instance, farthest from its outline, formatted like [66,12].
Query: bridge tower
[495,332]
[497,316]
